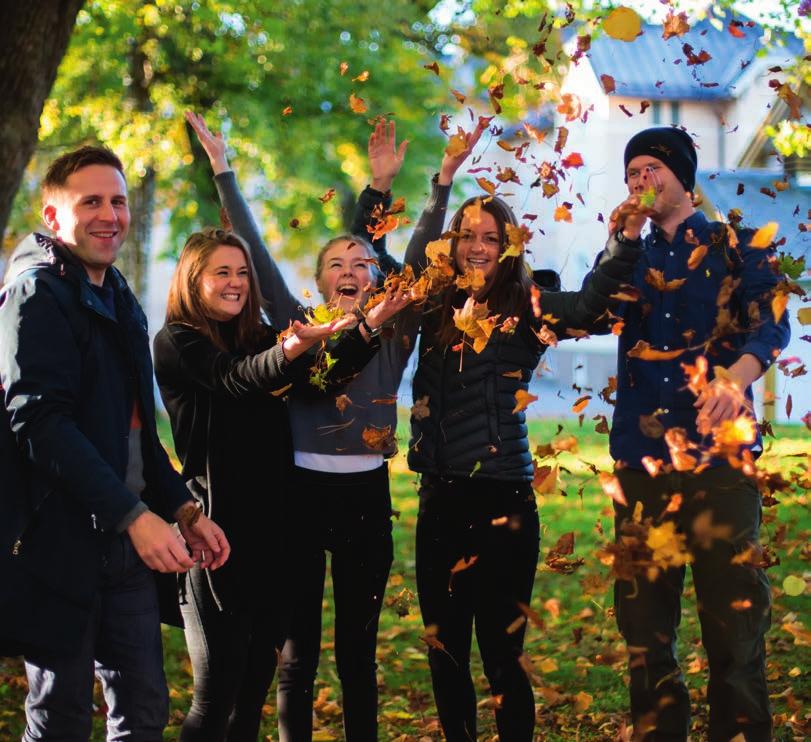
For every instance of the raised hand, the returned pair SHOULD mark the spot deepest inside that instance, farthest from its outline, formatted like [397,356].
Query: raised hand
[394,300]
[385,157]
[630,217]
[213,144]
[451,163]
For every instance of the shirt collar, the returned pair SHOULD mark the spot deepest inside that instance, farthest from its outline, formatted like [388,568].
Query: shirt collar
[697,221]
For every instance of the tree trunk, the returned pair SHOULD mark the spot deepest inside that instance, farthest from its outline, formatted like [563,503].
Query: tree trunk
[133,260]
[34,36]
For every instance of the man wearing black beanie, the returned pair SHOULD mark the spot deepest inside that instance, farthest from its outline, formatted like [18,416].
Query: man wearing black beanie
[685,451]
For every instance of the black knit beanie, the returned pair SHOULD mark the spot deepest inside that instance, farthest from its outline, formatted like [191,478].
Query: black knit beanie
[672,146]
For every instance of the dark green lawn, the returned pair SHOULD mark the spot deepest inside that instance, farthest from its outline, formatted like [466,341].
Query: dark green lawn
[578,657]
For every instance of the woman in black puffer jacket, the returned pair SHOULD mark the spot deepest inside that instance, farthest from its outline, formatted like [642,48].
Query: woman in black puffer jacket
[469,443]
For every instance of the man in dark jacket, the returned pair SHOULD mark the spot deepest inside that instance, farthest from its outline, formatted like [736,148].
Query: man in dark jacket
[685,450]
[85,518]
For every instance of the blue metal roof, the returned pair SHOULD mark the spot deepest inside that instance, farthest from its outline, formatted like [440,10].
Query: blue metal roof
[650,67]
[720,190]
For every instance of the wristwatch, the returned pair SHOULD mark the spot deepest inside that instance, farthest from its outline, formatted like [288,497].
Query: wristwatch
[369,331]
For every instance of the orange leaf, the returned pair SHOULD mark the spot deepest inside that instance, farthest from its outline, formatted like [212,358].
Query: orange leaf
[378,439]
[764,236]
[581,404]
[362,77]
[644,352]
[612,487]
[573,160]
[287,110]
[522,400]
[486,185]
[656,279]
[623,24]
[433,67]
[535,133]
[343,67]
[459,97]
[696,256]
[675,25]
[358,105]
[562,214]
[779,303]
[464,564]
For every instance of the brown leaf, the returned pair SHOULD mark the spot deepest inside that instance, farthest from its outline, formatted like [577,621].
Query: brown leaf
[378,439]
[522,400]
[357,104]
[342,401]
[420,409]
[650,426]
[433,67]
[675,24]
[656,279]
[644,352]
[609,86]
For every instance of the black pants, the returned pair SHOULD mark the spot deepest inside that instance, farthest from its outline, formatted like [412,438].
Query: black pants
[348,515]
[233,656]
[496,522]
[648,612]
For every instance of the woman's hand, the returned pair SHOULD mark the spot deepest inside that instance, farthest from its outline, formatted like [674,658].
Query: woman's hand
[385,157]
[451,163]
[305,336]
[213,144]
[394,300]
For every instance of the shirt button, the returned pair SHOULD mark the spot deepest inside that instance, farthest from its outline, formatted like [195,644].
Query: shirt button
[666,347]
[666,411]
[667,315]
[667,378]
[672,253]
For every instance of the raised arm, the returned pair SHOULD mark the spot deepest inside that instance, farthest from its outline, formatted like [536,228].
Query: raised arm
[284,307]
[432,220]
[385,161]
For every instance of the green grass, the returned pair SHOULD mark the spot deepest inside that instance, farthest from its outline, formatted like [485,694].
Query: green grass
[578,652]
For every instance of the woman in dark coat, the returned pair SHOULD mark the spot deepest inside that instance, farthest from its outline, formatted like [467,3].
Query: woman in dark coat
[223,374]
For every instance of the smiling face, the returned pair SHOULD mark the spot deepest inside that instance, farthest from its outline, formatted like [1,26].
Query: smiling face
[224,283]
[645,172]
[345,275]
[479,246]
[89,213]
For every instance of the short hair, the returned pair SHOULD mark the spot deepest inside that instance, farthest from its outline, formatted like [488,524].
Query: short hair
[64,166]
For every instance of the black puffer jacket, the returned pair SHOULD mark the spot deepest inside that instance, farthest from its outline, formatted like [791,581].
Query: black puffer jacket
[471,429]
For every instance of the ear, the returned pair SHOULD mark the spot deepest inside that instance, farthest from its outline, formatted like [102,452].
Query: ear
[49,217]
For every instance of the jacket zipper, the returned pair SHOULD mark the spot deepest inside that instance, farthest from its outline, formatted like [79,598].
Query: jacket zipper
[17,546]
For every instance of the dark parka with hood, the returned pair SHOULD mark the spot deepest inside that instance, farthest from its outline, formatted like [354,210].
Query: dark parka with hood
[71,375]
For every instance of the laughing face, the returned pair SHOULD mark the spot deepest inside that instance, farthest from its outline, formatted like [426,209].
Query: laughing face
[345,275]
[224,283]
[479,246]
[90,215]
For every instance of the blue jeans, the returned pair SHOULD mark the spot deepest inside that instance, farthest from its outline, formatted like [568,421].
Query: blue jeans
[122,646]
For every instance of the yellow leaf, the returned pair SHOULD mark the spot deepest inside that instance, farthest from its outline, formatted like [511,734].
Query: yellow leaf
[522,400]
[623,24]
[435,248]
[548,664]
[793,585]
[764,236]
[804,316]
[457,144]
[779,303]
[545,479]
[562,214]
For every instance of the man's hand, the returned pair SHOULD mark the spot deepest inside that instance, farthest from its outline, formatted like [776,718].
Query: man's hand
[213,144]
[385,157]
[723,398]
[450,164]
[158,544]
[630,217]
[206,540]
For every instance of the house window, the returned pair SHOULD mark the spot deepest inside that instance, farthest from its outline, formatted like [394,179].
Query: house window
[674,112]
[656,110]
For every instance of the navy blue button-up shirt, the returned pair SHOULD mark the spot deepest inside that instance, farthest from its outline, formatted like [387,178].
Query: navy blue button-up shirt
[686,318]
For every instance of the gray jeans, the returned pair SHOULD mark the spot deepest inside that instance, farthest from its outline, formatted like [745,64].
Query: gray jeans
[122,647]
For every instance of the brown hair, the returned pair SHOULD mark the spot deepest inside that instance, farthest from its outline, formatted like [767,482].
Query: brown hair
[184,304]
[63,167]
[351,238]
[509,293]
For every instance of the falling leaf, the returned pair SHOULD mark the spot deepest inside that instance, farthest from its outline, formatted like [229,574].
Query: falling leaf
[573,160]
[656,279]
[794,102]
[328,196]
[459,97]
[764,236]
[433,67]
[779,304]
[696,257]
[652,465]
[609,86]
[287,110]
[378,439]
[281,392]
[675,24]
[343,67]
[804,316]
[695,59]
[562,214]
[581,404]
[545,479]
[668,546]
[560,142]
[457,144]
[472,278]
[644,352]
[473,320]
[464,563]
[362,77]
[535,133]
[623,24]
[522,400]
[421,410]
[650,426]
[342,401]
[612,487]
[357,104]
[487,185]
[734,30]
[517,238]
[741,604]
[570,106]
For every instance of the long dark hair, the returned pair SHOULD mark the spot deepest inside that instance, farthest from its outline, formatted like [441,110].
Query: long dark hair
[185,304]
[509,293]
